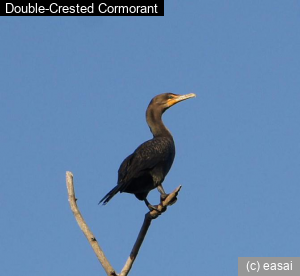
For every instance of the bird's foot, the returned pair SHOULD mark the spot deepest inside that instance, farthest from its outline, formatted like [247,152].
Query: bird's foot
[158,208]
[153,207]
[150,206]
[164,196]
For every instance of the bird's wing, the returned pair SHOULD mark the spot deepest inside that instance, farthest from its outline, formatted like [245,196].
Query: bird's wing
[124,167]
[145,157]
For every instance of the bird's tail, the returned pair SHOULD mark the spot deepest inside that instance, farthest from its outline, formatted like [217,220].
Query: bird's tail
[110,195]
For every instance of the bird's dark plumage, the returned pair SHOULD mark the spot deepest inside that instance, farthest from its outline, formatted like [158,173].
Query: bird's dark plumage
[146,168]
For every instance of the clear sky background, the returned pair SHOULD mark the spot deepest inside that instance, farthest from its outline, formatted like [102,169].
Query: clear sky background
[73,96]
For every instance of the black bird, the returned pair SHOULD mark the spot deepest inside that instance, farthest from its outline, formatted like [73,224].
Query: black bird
[146,168]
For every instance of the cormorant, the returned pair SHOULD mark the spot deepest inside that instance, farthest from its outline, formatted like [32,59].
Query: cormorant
[146,168]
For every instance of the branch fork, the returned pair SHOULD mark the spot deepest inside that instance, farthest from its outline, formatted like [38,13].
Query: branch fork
[162,207]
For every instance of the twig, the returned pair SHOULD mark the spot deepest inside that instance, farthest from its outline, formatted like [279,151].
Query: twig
[85,229]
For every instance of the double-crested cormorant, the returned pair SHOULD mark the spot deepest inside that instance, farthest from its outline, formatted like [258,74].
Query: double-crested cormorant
[146,168]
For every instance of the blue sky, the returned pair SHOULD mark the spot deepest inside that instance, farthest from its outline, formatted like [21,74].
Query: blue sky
[74,91]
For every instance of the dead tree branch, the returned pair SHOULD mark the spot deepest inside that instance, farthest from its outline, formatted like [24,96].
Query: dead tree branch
[85,229]
[171,198]
[146,224]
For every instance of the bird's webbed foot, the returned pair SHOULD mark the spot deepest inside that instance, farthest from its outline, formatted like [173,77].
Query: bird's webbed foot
[164,196]
[152,207]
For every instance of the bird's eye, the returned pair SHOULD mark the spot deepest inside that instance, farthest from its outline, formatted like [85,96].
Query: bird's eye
[170,97]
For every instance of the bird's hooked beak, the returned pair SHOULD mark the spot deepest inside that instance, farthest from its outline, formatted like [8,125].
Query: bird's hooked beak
[179,98]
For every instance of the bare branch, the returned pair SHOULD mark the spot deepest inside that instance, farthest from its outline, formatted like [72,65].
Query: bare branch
[147,221]
[85,229]
[171,198]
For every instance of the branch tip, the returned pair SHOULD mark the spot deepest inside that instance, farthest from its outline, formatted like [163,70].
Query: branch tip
[84,227]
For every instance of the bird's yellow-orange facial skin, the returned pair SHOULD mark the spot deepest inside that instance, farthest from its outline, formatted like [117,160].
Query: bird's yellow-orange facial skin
[178,98]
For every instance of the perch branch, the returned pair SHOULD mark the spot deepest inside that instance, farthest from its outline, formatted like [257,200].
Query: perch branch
[85,229]
[146,224]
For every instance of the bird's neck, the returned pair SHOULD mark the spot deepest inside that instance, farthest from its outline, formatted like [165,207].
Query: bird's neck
[156,125]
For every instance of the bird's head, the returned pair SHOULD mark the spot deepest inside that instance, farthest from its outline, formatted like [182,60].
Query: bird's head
[166,100]
[158,105]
